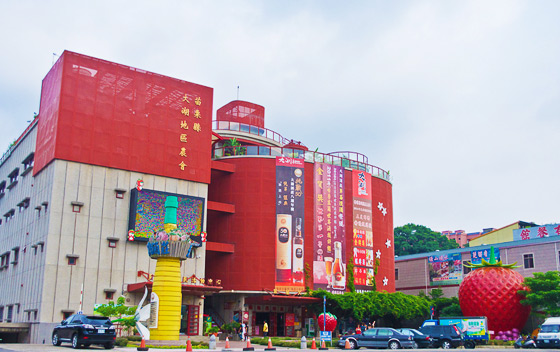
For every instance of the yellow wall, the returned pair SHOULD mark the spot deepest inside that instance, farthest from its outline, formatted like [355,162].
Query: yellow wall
[505,234]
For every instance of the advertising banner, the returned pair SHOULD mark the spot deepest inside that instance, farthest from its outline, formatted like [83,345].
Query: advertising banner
[362,227]
[289,225]
[477,256]
[445,269]
[329,257]
[536,232]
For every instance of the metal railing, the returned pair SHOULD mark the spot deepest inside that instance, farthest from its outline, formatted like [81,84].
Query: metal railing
[243,127]
[310,156]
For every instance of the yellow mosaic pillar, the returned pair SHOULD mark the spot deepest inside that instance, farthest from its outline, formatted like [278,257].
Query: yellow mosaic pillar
[167,279]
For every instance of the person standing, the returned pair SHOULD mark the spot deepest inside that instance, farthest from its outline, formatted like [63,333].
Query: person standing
[265,328]
[243,332]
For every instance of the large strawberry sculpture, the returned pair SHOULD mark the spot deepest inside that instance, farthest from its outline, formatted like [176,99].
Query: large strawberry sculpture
[327,323]
[491,290]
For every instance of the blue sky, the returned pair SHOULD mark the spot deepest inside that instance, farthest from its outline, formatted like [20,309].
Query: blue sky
[460,100]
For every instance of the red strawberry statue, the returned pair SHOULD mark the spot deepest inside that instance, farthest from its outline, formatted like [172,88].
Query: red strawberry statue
[327,323]
[491,290]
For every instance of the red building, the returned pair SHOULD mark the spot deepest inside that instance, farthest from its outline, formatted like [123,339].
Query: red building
[111,141]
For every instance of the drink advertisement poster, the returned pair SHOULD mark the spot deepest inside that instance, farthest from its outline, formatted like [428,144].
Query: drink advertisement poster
[445,269]
[477,256]
[329,256]
[362,231]
[289,225]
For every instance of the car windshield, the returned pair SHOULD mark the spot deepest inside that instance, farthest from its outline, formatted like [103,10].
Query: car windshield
[97,321]
[414,331]
[550,328]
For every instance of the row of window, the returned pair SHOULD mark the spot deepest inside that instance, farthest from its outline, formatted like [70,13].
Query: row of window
[24,204]
[31,313]
[14,254]
[13,176]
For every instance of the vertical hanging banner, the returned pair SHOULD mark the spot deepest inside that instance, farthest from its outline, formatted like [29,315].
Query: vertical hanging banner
[364,257]
[329,257]
[289,225]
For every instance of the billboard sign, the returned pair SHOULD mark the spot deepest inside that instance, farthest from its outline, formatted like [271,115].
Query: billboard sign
[289,225]
[478,255]
[445,269]
[362,231]
[536,232]
[147,213]
[329,247]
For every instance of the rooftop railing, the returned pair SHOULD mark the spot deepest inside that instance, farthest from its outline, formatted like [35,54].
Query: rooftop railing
[310,156]
[242,127]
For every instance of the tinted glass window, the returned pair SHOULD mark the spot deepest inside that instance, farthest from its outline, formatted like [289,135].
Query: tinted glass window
[97,321]
[550,328]
[370,332]
[77,319]
[384,332]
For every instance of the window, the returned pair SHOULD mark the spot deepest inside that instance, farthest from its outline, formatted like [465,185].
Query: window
[46,205]
[27,164]
[113,241]
[466,269]
[396,273]
[9,215]
[16,255]
[119,193]
[109,293]
[1,314]
[13,176]
[528,261]
[72,258]
[66,314]
[2,188]
[10,314]
[76,206]
[24,204]
[4,260]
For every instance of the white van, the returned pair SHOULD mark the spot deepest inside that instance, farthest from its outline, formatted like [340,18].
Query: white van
[549,335]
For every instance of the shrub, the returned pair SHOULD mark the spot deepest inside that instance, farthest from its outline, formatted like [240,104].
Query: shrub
[135,338]
[121,341]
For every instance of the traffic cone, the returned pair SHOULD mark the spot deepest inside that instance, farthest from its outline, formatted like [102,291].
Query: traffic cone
[249,348]
[189,345]
[347,345]
[323,346]
[313,345]
[270,348]
[142,346]
[227,343]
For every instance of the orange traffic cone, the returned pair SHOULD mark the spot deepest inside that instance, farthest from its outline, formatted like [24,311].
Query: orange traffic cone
[249,348]
[313,345]
[227,343]
[347,345]
[323,346]
[270,348]
[189,345]
[142,346]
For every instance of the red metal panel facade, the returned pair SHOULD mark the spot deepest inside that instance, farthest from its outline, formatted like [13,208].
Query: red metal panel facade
[252,228]
[101,113]
[242,112]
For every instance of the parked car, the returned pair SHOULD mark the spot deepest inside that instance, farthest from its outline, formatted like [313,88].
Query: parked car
[444,336]
[377,338]
[420,340]
[85,330]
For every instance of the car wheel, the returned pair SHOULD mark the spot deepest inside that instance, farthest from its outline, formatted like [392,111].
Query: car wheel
[414,345]
[445,344]
[55,339]
[109,346]
[470,344]
[394,345]
[75,343]
[353,344]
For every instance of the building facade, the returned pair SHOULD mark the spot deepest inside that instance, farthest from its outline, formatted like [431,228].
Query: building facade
[81,190]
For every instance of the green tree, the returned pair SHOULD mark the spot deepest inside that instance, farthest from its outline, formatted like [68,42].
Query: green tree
[412,239]
[124,314]
[544,294]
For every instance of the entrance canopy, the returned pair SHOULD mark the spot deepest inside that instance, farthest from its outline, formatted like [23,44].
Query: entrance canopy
[284,300]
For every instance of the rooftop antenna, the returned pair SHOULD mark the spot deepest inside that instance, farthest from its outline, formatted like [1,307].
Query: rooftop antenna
[237,92]
[54,55]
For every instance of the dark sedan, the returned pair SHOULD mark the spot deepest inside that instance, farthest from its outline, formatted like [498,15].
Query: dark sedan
[420,340]
[377,338]
[82,330]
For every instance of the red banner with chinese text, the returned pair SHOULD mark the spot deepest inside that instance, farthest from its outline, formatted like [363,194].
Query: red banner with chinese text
[362,231]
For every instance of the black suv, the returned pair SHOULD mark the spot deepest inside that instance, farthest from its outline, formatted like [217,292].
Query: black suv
[444,336]
[85,330]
